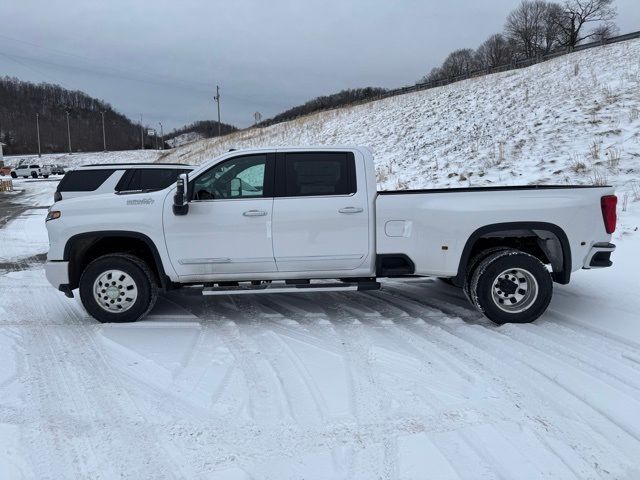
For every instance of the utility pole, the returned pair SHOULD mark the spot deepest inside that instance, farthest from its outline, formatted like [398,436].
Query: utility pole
[217,99]
[68,131]
[141,134]
[161,137]
[38,132]
[104,136]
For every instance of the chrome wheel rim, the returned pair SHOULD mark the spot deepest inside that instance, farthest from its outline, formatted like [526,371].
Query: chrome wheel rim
[514,290]
[115,291]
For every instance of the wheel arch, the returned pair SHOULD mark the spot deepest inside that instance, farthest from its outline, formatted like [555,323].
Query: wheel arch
[82,248]
[558,250]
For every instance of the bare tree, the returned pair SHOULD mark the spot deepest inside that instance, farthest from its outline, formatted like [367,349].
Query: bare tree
[578,13]
[433,76]
[458,62]
[493,52]
[605,31]
[533,27]
[551,31]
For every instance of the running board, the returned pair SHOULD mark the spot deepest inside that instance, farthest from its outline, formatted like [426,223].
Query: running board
[288,288]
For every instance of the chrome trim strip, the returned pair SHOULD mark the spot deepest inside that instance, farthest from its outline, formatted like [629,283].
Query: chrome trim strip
[208,261]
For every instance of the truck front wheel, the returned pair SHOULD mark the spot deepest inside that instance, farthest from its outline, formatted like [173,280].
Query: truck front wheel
[511,286]
[118,288]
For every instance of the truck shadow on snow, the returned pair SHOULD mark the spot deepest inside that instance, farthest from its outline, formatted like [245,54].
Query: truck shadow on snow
[423,299]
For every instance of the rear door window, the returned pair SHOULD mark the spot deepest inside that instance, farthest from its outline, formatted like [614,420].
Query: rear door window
[148,179]
[319,173]
[83,180]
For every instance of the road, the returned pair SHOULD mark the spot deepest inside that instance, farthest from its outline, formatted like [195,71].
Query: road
[407,382]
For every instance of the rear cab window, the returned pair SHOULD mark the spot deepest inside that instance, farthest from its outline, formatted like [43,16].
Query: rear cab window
[317,174]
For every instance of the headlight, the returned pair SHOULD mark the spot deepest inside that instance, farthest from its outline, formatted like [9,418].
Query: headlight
[53,215]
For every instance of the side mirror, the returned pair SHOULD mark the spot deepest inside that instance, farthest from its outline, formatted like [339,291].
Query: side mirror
[180,199]
[236,187]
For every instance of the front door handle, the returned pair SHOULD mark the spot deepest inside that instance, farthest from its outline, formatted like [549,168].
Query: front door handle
[350,210]
[254,213]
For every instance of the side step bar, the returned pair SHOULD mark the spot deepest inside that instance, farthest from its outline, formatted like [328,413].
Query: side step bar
[289,288]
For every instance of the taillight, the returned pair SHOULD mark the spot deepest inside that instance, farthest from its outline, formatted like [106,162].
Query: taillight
[608,204]
[57,196]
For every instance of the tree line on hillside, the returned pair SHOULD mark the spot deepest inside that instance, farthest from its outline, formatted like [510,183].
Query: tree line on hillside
[21,101]
[326,102]
[534,28]
[206,128]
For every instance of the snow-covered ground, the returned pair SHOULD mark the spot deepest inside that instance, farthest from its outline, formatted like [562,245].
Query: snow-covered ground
[405,383]
[575,119]
[87,158]
[184,138]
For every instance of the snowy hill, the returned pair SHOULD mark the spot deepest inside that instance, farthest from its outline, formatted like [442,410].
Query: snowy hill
[575,119]
[87,158]
[184,138]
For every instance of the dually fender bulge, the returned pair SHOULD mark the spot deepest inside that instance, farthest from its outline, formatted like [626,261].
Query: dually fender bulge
[563,276]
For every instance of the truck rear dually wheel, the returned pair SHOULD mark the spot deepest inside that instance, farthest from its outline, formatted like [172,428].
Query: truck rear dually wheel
[118,288]
[511,286]
[471,267]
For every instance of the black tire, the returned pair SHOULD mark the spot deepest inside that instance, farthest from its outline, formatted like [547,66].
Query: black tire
[14,175]
[526,282]
[472,265]
[45,176]
[34,174]
[138,271]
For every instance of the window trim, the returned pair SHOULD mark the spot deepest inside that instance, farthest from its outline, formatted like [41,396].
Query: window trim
[269,178]
[281,176]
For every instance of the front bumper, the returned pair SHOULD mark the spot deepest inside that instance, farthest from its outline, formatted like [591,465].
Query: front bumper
[57,274]
[599,256]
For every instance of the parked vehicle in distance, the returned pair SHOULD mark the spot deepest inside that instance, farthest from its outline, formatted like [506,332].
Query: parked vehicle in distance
[57,169]
[118,178]
[290,220]
[33,170]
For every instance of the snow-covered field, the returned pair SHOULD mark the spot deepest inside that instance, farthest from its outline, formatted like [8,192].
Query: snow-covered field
[575,119]
[87,158]
[184,138]
[405,383]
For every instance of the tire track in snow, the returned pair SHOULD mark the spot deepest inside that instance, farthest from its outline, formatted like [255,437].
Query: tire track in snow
[110,419]
[461,332]
[598,428]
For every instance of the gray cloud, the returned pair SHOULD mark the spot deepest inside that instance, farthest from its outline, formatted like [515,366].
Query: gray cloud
[164,58]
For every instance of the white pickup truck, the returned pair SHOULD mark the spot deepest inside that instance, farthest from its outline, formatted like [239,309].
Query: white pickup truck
[311,220]
[27,170]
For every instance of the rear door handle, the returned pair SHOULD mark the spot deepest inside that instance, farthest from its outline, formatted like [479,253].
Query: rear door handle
[351,210]
[254,213]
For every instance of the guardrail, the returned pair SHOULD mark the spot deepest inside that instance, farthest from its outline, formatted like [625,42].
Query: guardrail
[6,185]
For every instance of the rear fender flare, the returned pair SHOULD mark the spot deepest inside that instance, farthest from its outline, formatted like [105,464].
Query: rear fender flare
[561,276]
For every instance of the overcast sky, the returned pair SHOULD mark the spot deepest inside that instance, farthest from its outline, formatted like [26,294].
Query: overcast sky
[163,59]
